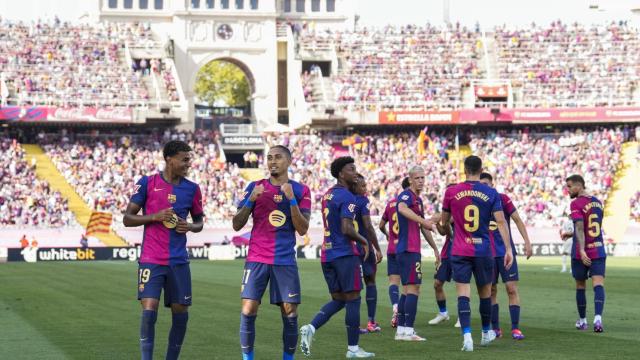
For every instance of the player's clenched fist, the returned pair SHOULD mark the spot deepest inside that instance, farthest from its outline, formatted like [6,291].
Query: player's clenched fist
[287,189]
[257,191]
[163,215]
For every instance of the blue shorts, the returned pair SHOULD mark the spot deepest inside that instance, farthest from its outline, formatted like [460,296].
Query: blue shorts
[582,272]
[444,272]
[283,281]
[410,265]
[481,268]
[392,265]
[343,274]
[506,275]
[175,280]
[369,266]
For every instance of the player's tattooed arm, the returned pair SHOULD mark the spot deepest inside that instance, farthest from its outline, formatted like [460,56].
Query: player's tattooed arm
[300,220]
[131,217]
[242,216]
[409,214]
[579,234]
[523,231]
[372,237]
[445,223]
[506,237]
[350,231]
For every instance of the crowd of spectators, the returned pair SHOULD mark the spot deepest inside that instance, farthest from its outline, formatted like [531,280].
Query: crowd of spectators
[567,65]
[26,200]
[532,169]
[104,169]
[408,66]
[64,64]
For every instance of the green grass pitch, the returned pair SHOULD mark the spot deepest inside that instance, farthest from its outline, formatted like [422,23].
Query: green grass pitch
[89,311]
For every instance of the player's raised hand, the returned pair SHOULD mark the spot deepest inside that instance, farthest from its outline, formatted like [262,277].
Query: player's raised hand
[508,260]
[528,251]
[182,226]
[164,215]
[378,256]
[287,189]
[257,191]
[585,258]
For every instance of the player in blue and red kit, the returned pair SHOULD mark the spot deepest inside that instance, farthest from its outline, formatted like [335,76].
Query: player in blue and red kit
[370,265]
[588,256]
[166,199]
[411,223]
[280,207]
[471,205]
[390,216]
[340,259]
[443,273]
[509,277]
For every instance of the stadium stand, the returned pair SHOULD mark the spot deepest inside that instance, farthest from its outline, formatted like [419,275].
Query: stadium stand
[571,65]
[532,169]
[64,64]
[24,199]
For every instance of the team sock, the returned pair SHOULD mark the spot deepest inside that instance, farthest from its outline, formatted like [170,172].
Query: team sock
[598,298]
[394,294]
[410,310]
[485,313]
[176,334]
[326,312]
[464,314]
[352,321]
[289,336]
[247,334]
[514,311]
[442,306]
[495,316]
[581,302]
[372,301]
[401,305]
[147,333]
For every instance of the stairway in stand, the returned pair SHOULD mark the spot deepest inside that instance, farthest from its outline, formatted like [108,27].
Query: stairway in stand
[46,170]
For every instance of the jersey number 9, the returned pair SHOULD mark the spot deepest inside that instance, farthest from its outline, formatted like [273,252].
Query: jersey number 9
[471,218]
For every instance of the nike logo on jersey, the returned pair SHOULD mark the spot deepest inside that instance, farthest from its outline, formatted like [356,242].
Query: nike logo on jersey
[293,295]
[512,275]
[187,297]
[154,189]
[143,339]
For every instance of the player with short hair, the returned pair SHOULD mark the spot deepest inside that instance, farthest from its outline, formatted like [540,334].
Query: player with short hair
[340,259]
[280,207]
[370,265]
[509,277]
[588,256]
[471,205]
[443,273]
[390,216]
[411,223]
[166,199]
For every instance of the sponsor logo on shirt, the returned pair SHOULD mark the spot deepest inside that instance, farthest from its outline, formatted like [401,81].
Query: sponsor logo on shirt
[405,197]
[277,218]
[595,245]
[352,207]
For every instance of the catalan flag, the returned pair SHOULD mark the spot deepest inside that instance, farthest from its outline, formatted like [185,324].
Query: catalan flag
[99,223]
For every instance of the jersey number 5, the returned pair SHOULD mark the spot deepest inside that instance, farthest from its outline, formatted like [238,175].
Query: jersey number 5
[471,218]
[594,225]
